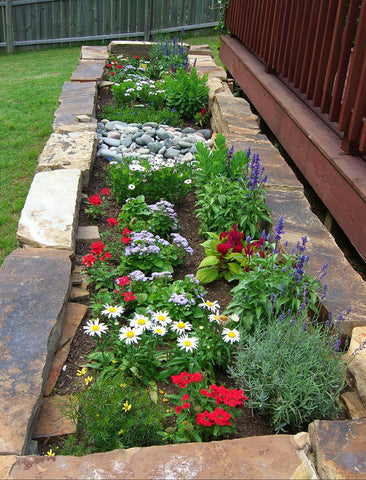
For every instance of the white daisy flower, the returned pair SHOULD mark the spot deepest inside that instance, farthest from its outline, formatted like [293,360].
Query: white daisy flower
[181,327]
[140,321]
[234,317]
[214,317]
[188,181]
[230,335]
[212,306]
[187,343]
[130,335]
[131,186]
[94,327]
[113,312]
[159,330]
[162,317]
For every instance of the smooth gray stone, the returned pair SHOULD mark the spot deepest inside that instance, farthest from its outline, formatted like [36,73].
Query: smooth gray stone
[110,156]
[154,147]
[150,124]
[168,143]
[184,151]
[137,135]
[194,150]
[144,151]
[171,153]
[112,142]
[136,125]
[139,141]
[162,150]
[126,142]
[115,125]
[184,144]
[206,132]
[188,130]
[146,139]
[149,131]
[162,134]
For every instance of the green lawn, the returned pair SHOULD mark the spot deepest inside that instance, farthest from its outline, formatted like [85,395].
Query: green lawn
[31,83]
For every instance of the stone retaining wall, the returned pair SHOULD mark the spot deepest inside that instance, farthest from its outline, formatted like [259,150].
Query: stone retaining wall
[35,291]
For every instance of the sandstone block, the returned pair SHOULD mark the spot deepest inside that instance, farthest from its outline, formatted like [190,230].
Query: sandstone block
[353,405]
[6,464]
[74,315]
[87,234]
[68,122]
[129,49]
[280,175]
[75,150]
[339,448]
[88,71]
[94,52]
[52,420]
[268,457]
[34,288]
[51,210]
[200,50]
[357,357]
[78,294]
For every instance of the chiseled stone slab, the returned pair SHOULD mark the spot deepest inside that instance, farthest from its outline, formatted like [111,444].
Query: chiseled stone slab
[345,286]
[6,464]
[74,315]
[69,122]
[200,50]
[87,234]
[339,448]
[269,457]
[34,289]
[353,404]
[78,90]
[50,214]
[128,48]
[233,115]
[279,174]
[88,70]
[357,354]
[75,150]
[94,52]
[52,420]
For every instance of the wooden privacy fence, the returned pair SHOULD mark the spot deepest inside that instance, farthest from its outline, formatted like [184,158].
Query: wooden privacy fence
[36,22]
[319,46]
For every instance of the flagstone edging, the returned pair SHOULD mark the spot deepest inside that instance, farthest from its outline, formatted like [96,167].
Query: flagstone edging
[232,117]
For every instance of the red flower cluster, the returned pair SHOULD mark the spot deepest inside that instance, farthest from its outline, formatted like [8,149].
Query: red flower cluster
[128,296]
[126,239]
[255,247]
[95,200]
[136,57]
[234,241]
[122,281]
[232,397]
[97,249]
[218,416]
[112,221]
[184,378]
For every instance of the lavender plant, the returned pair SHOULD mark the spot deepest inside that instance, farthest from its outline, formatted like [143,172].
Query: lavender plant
[292,370]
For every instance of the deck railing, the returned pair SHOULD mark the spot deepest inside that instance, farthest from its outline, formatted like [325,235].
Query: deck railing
[319,46]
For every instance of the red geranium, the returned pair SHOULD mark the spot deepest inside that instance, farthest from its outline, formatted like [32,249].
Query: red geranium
[128,296]
[88,260]
[97,248]
[112,221]
[95,200]
[121,281]
[136,57]
[184,378]
[105,256]
[105,191]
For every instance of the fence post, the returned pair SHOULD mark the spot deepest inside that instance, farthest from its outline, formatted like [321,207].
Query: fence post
[147,26]
[9,26]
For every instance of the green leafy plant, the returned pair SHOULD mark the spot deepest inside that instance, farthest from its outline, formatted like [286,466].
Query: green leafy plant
[186,92]
[202,412]
[170,180]
[202,117]
[292,370]
[140,89]
[227,254]
[98,203]
[143,114]
[166,54]
[113,413]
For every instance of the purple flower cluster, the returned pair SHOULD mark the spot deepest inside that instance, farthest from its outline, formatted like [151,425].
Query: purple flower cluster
[180,299]
[167,209]
[145,243]
[181,242]
[255,178]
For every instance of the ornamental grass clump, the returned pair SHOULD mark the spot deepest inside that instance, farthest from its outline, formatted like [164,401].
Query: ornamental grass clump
[292,370]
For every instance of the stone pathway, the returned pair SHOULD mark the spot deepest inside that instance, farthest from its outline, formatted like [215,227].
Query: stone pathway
[36,316]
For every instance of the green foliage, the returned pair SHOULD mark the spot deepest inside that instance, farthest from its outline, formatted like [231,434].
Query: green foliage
[159,218]
[230,190]
[166,54]
[186,93]
[169,180]
[291,372]
[274,284]
[141,90]
[113,413]
[143,114]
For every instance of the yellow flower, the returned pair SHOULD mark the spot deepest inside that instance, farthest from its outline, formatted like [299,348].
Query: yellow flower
[51,453]
[123,385]
[121,432]
[114,361]
[87,380]
[126,406]
[165,399]
[81,372]
[161,391]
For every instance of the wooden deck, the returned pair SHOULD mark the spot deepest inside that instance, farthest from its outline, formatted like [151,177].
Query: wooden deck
[337,178]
